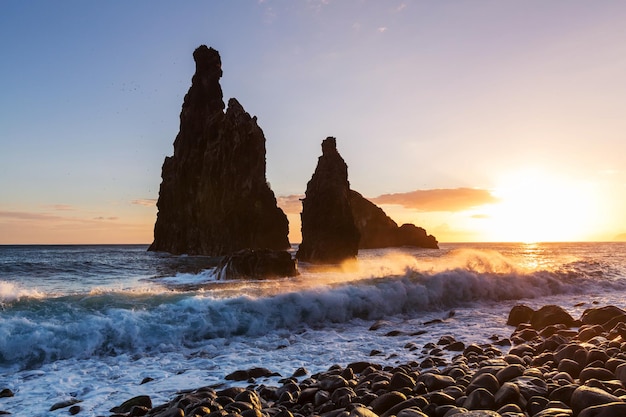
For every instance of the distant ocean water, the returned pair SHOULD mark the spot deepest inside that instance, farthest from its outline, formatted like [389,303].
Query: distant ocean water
[91,322]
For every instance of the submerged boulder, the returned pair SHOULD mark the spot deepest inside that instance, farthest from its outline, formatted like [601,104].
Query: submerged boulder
[214,198]
[329,234]
[257,264]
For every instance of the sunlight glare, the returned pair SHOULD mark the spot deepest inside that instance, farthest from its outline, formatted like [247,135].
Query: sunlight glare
[536,206]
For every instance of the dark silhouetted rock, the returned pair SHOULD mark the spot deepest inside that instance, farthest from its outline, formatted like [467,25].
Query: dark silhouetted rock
[601,315]
[259,264]
[411,235]
[584,397]
[126,406]
[329,234]
[214,198]
[551,314]
[379,231]
[519,314]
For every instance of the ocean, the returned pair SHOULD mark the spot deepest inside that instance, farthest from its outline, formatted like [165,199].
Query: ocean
[91,323]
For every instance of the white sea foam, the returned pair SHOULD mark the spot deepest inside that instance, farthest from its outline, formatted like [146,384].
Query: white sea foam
[11,291]
[112,323]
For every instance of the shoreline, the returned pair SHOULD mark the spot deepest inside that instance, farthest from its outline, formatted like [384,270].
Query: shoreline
[551,365]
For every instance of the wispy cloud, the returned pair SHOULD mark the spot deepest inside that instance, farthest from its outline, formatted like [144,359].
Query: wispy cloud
[317,5]
[382,29]
[25,215]
[61,207]
[440,199]
[146,202]
[30,216]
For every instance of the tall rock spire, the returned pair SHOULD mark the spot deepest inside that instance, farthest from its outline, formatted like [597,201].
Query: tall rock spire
[329,234]
[214,198]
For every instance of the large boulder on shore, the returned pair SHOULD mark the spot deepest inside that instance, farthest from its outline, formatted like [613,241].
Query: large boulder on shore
[551,314]
[546,316]
[378,230]
[329,234]
[601,315]
[214,198]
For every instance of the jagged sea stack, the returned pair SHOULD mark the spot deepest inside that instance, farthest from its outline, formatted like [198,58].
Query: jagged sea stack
[329,234]
[214,197]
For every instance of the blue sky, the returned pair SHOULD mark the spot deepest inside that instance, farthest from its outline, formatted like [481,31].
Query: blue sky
[421,95]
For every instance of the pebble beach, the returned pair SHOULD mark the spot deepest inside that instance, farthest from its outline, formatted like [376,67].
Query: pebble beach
[552,365]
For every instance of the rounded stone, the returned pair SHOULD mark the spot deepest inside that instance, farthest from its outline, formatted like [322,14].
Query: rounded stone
[510,372]
[386,401]
[601,315]
[362,412]
[5,393]
[569,366]
[486,381]
[507,394]
[554,412]
[616,409]
[401,380]
[519,314]
[551,314]
[530,386]
[600,374]
[479,399]
[584,397]
[411,412]
[140,400]
[435,381]
[249,397]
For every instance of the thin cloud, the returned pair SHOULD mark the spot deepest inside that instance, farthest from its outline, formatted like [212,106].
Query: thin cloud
[382,29]
[39,218]
[61,207]
[146,202]
[25,215]
[441,199]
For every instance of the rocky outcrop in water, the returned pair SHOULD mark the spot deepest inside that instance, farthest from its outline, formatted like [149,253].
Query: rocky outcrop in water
[257,264]
[338,221]
[379,231]
[214,197]
[329,234]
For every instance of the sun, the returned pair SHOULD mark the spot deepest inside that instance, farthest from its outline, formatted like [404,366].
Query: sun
[539,206]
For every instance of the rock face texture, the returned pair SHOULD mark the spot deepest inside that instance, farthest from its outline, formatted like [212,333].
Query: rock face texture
[379,231]
[214,197]
[329,234]
[257,264]
[338,221]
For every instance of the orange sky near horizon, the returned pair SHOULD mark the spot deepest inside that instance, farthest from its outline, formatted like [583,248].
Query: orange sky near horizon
[527,207]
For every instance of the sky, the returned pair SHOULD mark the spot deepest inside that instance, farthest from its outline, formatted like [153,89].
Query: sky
[478,120]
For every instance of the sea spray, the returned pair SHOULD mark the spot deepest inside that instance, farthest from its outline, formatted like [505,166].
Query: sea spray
[112,323]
